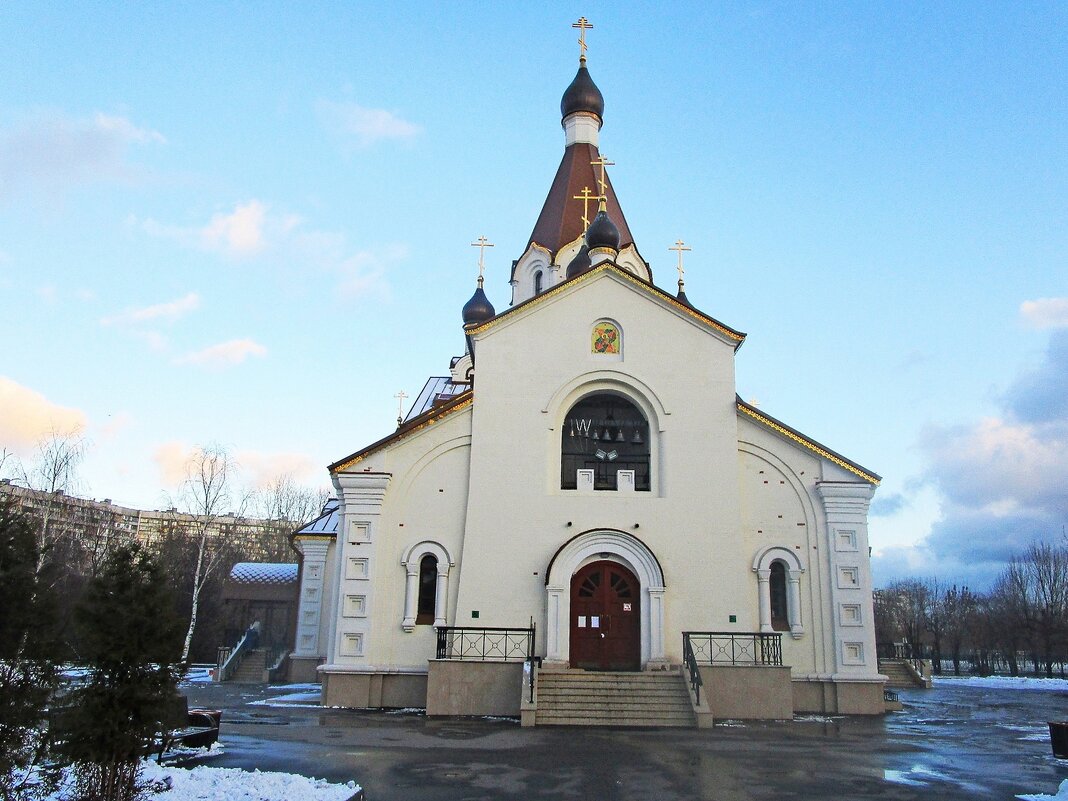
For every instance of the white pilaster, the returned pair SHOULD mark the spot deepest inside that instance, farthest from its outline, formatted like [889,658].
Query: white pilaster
[310,604]
[845,506]
[441,594]
[793,601]
[411,597]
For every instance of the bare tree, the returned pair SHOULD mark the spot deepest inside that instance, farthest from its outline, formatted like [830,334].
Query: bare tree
[207,495]
[285,506]
[54,471]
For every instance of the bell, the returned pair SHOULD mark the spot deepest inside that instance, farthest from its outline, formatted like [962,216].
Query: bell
[637,438]
[607,434]
[596,435]
[619,436]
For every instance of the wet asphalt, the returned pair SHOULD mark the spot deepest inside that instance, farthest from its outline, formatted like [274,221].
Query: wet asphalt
[951,742]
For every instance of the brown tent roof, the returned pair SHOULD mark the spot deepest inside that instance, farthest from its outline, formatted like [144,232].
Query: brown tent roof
[560,221]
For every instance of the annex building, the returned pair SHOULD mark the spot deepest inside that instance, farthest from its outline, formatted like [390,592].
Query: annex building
[582,513]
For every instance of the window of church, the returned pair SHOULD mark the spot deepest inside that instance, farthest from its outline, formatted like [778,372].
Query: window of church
[604,433]
[780,616]
[428,576]
[537,282]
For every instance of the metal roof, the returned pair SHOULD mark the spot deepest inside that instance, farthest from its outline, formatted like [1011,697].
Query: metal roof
[438,387]
[324,524]
[263,573]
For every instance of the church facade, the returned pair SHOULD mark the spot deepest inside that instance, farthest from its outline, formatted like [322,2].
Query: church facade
[586,491]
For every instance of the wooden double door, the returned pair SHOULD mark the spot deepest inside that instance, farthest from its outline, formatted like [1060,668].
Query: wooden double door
[605,618]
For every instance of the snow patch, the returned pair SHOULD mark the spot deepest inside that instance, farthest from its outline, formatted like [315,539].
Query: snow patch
[1062,794]
[1003,682]
[290,699]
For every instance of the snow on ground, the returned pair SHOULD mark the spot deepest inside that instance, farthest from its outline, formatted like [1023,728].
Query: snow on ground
[1003,682]
[916,776]
[233,784]
[291,699]
[1038,734]
[198,674]
[1062,794]
[297,688]
[230,784]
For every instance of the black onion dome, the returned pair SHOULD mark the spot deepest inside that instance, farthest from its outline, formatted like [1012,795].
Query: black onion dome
[582,95]
[685,301]
[478,309]
[602,232]
[579,264]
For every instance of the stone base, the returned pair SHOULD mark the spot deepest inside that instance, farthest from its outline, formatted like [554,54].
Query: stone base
[474,688]
[747,692]
[374,690]
[303,669]
[826,697]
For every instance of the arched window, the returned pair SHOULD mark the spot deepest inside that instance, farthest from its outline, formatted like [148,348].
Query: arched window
[537,282]
[426,566]
[779,571]
[780,616]
[428,579]
[604,436]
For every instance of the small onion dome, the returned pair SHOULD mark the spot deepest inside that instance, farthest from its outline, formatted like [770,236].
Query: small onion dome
[582,95]
[478,309]
[681,297]
[579,264]
[602,232]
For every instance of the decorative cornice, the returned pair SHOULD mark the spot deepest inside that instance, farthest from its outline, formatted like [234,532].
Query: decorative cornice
[413,426]
[730,333]
[810,444]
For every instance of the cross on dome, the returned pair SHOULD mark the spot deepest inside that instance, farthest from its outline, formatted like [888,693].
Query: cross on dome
[585,197]
[481,243]
[583,25]
[679,247]
[603,162]
[400,396]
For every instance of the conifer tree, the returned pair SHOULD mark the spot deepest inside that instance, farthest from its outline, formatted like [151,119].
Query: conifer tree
[28,654]
[128,633]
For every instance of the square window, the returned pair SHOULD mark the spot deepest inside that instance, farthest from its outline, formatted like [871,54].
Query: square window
[352,644]
[849,615]
[852,653]
[356,568]
[359,532]
[355,606]
[848,577]
[845,541]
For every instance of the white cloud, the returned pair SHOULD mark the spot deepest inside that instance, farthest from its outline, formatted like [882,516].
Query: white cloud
[26,415]
[169,311]
[225,354]
[1045,312]
[263,468]
[54,152]
[363,126]
[172,458]
[239,233]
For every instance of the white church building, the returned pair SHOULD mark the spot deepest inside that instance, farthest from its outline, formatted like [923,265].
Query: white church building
[585,505]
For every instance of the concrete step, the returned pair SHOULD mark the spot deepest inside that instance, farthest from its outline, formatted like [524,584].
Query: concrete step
[579,698]
[251,668]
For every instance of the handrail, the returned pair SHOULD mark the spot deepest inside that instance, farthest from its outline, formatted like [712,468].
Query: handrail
[696,682]
[485,644]
[735,648]
[249,640]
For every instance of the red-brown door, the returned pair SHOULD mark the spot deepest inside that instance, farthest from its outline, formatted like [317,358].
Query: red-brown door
[605,618]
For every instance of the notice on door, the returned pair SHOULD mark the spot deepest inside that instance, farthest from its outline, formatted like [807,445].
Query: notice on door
[626,607]
[595,622]
[582,621]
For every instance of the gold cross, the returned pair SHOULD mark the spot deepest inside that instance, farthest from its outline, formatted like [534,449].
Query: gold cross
[481,243]
[585,197]
[400,396]
[680,246]
[602,162]
[583,25]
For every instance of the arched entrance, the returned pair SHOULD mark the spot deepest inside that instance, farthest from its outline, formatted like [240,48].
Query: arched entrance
[605,618]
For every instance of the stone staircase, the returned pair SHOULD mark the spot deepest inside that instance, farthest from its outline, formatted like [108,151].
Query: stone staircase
[253,668]
[898,674]
[581,698]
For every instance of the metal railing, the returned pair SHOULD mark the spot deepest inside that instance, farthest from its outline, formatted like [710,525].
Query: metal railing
[733,648]
[696,682]
[485,644]
[229,660]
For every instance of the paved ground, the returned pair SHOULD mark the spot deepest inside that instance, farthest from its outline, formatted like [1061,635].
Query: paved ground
[952,742]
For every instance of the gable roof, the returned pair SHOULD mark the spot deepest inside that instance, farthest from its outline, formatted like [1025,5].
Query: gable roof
[807,442]
[737,336]
[428,418]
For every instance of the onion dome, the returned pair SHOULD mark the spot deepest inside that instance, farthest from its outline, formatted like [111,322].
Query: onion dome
[602,232]
[681,297]
[579,264]
[582,95]
[478,309]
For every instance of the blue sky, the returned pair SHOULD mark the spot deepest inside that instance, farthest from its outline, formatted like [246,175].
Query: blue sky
[250,223]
